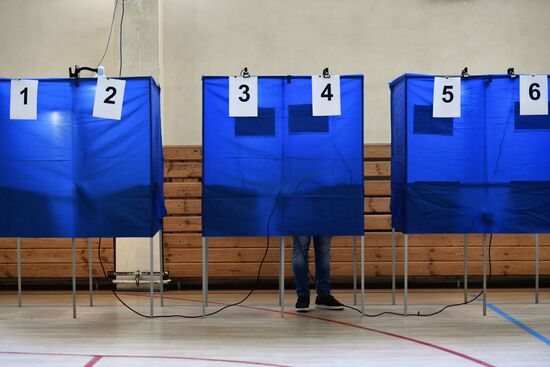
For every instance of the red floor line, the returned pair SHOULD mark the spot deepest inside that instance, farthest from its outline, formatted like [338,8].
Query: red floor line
[97,357]
[93,361]
[387,333]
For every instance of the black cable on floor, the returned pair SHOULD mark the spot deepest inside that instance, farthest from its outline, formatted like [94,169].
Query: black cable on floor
[208,314]
[442,309]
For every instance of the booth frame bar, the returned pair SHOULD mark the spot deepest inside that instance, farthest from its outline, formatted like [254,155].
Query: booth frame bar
[465,268]
[484,274]
[282,275]
[393,259]
[204,275]
[19,285]
[161,267]
[354,271]
[363,275]
[406,275]
[73,267]
[151,278]
[90,273]
[537,291]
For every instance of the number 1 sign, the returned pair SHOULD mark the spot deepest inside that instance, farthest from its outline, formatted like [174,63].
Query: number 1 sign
[109,96]
[23,99]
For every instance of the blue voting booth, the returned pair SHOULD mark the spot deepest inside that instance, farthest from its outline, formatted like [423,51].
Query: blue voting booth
[487,171]
[284,172]
[69,174]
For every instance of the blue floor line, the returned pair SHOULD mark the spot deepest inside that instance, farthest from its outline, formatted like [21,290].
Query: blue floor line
[519,324]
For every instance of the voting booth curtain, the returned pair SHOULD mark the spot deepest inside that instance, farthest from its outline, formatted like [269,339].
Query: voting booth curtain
[284,172]
[68,174]
[487,171]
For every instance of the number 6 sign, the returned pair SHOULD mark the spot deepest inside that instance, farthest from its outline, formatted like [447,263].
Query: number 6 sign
[109,96]
[446,102]
[533,95]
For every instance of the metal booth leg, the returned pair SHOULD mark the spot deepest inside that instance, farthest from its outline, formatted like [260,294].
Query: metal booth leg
[405,276]
[465,268]
[90,273]
[354,271]
[282,275]
[151,278]
[161,267]
[537,268]
[204,275]
[19,287]
[484,275]
[74,276]
[363,275]
[393,248]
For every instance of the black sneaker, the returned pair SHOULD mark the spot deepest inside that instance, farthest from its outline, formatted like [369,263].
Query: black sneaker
[302,304]
[328,302]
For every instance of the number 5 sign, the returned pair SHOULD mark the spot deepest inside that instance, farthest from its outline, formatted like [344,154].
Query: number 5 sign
[446,102]
[109,96]
[533,95]
[325,95]
[243,96]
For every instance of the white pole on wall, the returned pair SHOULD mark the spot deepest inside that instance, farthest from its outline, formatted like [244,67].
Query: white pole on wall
[19,287]
[354,271]
[537,268]
[74,276]
[90,273]
[465,268]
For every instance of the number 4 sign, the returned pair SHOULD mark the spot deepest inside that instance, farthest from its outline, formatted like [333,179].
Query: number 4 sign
[533,95]
[325,95]
[23,99]
[109,96]
[446,102]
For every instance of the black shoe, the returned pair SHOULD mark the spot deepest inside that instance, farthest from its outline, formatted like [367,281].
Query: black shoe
[302,304]
[328,302]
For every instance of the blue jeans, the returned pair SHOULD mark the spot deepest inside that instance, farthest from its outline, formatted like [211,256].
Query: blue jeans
[300,263]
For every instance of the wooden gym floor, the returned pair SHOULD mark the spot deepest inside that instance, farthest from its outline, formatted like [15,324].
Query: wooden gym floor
[515,332]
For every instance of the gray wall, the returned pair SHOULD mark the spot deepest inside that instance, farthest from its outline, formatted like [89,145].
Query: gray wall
[379,38]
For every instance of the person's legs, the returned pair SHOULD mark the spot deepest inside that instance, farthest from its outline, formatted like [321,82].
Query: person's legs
[322,264]
[300,251]
[322,275]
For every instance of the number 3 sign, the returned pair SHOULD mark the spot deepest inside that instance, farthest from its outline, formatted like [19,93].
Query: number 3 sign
[243,96]
[109,96]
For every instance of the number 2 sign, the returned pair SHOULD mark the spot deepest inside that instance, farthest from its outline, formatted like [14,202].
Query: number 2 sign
[109,96]
[446,102]
[243,96]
